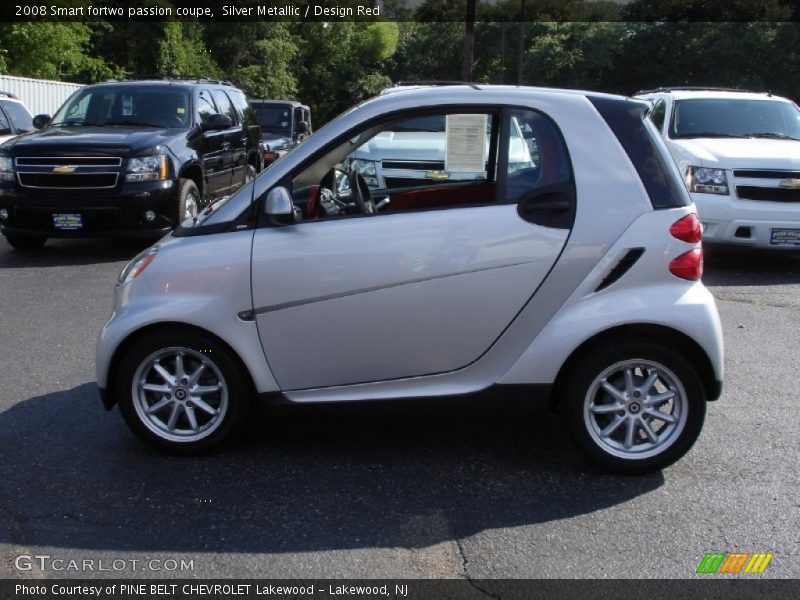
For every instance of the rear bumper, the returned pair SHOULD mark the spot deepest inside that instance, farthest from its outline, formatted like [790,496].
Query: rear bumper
[118,214]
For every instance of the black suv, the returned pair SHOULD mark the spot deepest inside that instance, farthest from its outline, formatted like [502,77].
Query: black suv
[127,158]
[284,124]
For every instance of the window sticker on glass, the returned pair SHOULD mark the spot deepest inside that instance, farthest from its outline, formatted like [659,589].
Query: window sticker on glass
[127,105]
[466,143]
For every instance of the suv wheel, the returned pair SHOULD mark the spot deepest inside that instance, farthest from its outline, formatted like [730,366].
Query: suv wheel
[183,393]
[188,200]
[635,408]
[25,242]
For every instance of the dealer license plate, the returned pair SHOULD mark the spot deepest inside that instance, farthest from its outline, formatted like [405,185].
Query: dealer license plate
[785,237]
[68,221]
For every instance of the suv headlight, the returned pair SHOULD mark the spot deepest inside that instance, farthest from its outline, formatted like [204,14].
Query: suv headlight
[6,168]
[147,168]
[368,170]
[706,181]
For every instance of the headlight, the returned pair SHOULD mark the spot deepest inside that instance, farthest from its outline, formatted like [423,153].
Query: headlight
[147,168]
[706,181]
[6,168]
[137,265]
[366,168]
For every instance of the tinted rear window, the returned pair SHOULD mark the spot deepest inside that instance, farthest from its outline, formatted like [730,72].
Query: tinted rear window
[626,120]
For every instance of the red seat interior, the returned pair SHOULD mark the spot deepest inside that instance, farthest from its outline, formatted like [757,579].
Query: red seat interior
[433,197]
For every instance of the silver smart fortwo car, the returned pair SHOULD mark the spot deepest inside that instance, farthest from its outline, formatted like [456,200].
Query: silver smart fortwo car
[572,279]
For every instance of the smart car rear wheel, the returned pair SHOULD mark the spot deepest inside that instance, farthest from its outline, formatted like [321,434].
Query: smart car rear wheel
[635,408]
[182,393]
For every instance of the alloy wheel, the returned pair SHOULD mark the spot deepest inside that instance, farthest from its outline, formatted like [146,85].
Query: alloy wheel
[180,394]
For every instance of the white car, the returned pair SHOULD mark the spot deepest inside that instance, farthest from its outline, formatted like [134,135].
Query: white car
[739,153]
[15,119]
[573,284]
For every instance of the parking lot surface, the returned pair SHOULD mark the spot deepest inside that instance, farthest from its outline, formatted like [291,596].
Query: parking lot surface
[361,495]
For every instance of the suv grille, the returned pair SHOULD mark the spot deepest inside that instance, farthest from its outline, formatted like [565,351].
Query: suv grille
[68,172]
[68,161]
[68,181]
[419,165]
[767,186]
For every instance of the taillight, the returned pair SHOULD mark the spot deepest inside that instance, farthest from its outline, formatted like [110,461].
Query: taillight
[687,229]
[688,265]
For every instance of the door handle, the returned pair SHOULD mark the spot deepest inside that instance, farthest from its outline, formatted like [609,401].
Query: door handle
[226,145]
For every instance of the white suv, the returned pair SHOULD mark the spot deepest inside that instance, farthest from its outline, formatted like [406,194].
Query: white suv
[739,153]
[572,283]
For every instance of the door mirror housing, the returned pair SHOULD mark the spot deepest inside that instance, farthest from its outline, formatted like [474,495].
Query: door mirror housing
[302,127]
[41,121]
[279,206]
[217,122]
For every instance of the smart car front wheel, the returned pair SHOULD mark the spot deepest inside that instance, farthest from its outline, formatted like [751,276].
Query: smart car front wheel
[634,408]
[181,392]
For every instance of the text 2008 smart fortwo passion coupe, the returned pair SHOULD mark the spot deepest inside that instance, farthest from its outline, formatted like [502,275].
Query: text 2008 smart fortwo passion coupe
[573,277]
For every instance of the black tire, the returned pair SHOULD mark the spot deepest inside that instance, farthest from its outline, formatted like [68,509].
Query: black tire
[237,382]
[187,189]
[25,243]
[579,420]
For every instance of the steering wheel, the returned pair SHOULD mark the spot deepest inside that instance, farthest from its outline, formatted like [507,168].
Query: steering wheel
[360,194]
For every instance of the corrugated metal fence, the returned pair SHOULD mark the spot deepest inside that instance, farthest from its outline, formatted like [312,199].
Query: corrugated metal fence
[39,95]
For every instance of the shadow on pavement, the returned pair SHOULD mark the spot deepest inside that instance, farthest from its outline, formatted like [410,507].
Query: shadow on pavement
[726,266]
[73,476]
[59,253]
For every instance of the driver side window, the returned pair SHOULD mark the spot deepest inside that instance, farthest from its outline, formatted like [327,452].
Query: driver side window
[430,161]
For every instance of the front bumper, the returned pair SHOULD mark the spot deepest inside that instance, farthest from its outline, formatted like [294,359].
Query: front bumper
[747,223]
[119,213]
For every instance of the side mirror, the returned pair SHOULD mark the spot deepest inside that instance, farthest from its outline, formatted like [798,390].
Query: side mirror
[279,206]
[41,121]
[217,122]
[302,127]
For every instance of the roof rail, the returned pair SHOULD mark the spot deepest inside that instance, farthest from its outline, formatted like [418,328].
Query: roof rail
[9,94]
[435,82]
[182,78]
[694,88]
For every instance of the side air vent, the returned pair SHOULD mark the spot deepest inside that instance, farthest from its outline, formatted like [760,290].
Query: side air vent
[625,263]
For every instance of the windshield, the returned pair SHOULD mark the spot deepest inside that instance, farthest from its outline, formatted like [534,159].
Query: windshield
[275,119]
[717,117]
[108,106]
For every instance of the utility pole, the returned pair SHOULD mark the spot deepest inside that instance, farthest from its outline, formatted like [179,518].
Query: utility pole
[521,41]
[469,40]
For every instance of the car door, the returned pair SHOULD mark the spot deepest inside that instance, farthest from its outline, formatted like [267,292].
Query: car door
[212,147]
[235,144]
[415,292]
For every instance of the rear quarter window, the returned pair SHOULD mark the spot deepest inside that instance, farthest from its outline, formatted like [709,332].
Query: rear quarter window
[626,118]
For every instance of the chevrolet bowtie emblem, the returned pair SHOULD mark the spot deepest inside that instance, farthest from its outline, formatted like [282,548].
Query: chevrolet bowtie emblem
[791,184]
[64,169]
[437,175]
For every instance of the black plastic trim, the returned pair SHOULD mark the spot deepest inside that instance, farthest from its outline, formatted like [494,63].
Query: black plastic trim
[623,266]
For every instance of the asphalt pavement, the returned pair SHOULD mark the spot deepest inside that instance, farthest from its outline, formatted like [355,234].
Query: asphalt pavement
[375,496]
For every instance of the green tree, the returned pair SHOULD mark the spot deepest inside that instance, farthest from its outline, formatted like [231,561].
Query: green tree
[52,51]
